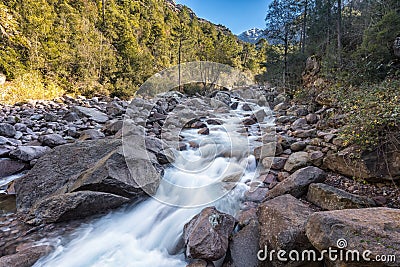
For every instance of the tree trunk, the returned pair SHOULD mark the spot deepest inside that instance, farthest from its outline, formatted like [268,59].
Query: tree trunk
[285,72]
[339,32]
[103,4]
[303,48]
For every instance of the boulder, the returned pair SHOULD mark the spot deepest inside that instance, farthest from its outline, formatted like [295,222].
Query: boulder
[72,206]
[296,161]
[91,113]
[372,166]
[91,134]
[373,229]
[275,163]
[200,263]
[297,183]
[28,153]
[331,198]
[7,130]
[52,140]
[9,167]
[26,257]
[206,235]
[298,146]
[71,117]
[283,227]
[244,246]
[99,166]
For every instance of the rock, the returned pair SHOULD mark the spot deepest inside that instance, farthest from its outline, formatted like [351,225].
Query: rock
[160,149]
[7,204]
[316,157]
[26,257]
[256,194]
[299,124]
[91,134]
[275,163]
[71,117]
[283,227]
[371,166]
[312,118]
[206,235]
[52,140]
[331,198]
[204,131]
[28,153]
[373,229]
[77,205]
[267,150]
[244,246]
[91,113]
[112,127]
[297,183]
[298,146]
[9,167]
[246,107]
[50,117]
[249,121]
[296,161]
[100,166]
[114,109]
[396,47]
[305,133]
[7,130]
[5,150]
[200,263]
[20,127]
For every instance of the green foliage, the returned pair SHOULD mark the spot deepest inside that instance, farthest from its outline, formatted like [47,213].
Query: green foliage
[72,45]
[373,112]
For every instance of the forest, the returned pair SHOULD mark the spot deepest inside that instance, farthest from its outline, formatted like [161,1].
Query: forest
[107,47]
[355,48]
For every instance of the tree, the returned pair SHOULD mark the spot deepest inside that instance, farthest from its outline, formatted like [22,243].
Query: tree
[280,26]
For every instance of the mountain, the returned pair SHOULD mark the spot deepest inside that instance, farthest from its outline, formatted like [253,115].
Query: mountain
[252,35]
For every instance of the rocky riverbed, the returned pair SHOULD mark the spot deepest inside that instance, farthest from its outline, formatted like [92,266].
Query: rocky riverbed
[69,154]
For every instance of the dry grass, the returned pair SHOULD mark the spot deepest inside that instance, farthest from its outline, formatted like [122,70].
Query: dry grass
[28,86]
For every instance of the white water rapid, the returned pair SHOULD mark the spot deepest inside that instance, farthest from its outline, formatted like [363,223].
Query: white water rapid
[149,233]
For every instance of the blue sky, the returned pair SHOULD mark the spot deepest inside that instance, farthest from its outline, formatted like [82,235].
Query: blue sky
[237,15]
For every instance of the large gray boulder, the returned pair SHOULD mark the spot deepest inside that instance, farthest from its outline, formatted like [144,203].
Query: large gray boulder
[297,183]
[373,229]
[206,235]
[283,227]
[99,167]
[7,130]
[297,161]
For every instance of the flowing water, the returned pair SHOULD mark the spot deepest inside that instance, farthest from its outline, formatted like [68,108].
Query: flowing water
[150,233]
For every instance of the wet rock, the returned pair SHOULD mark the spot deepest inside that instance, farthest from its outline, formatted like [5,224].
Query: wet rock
[25,258]
[256,194]
[28,153]
[52,140]
[91,134]
[204,131]
[246,107]
[9,167]
[373,229]
[296,161]
[283,227]
[297,183]
[331,198]
[206,235]
[7,130]
[267,150]
[244,246]
[91,113]
[249,121]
